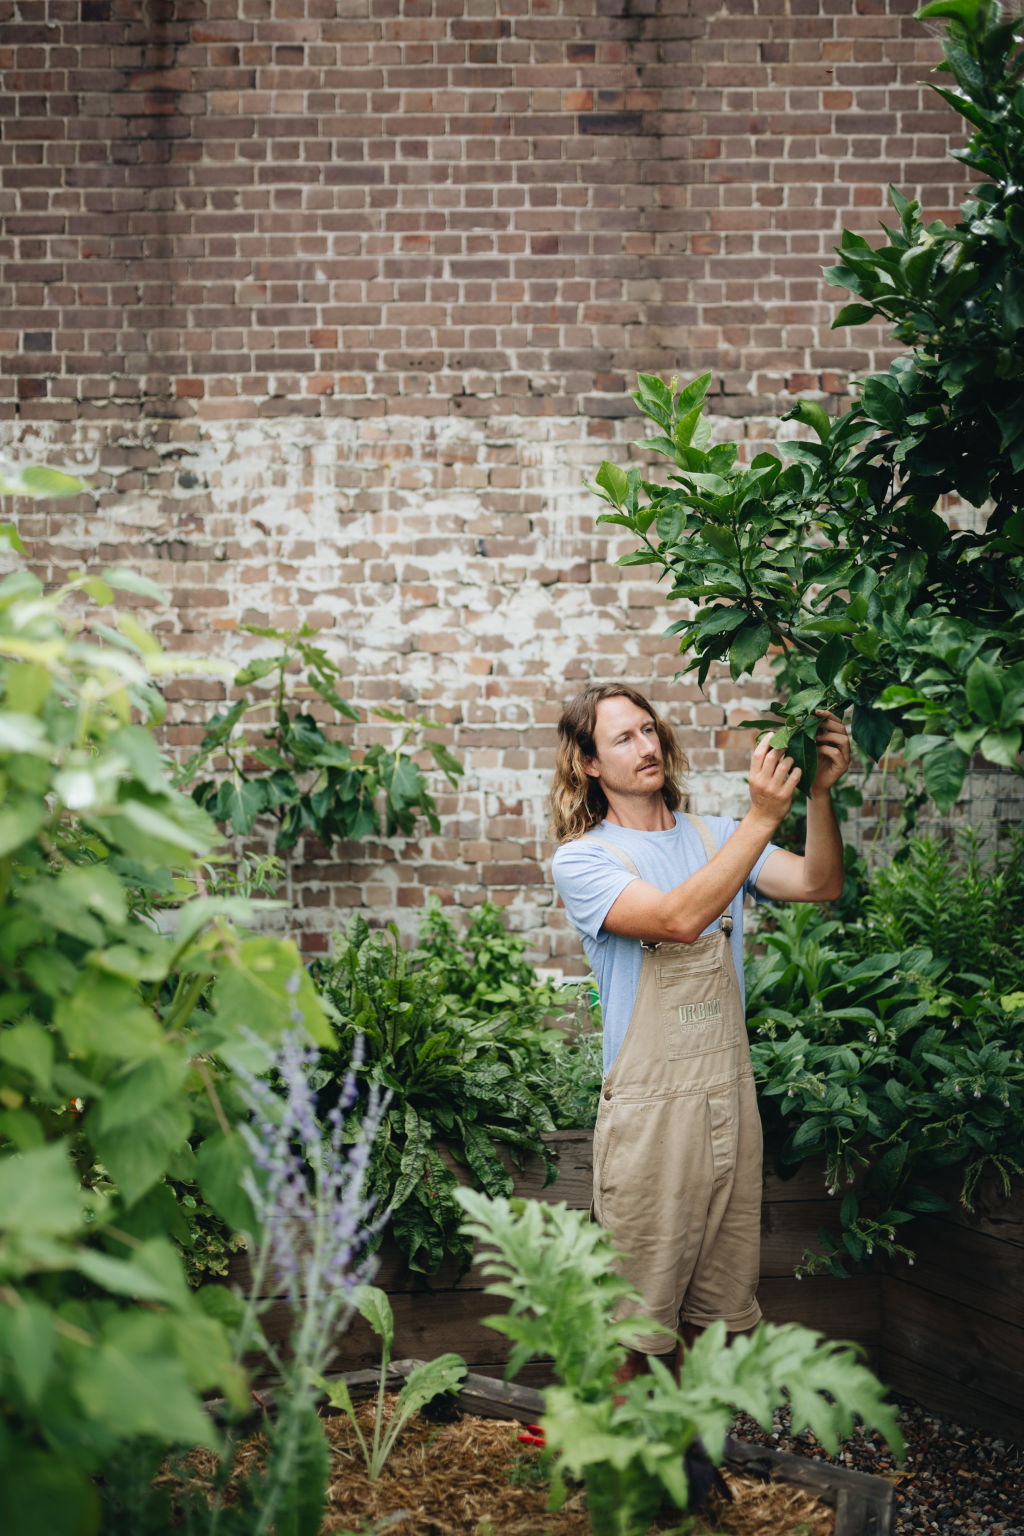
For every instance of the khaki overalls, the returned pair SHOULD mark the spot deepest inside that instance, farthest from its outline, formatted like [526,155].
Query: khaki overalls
[677,1146]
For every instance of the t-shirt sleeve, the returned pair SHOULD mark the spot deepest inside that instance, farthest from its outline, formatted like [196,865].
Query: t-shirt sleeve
[589,880]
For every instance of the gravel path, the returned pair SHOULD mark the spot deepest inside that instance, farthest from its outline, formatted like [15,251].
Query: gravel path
[956,1481]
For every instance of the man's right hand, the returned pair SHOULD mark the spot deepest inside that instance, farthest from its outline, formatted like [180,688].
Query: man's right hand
[773,781]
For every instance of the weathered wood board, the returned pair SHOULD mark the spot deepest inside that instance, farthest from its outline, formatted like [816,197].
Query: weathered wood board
[948,1331]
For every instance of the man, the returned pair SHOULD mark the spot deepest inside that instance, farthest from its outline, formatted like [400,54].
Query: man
[657,897]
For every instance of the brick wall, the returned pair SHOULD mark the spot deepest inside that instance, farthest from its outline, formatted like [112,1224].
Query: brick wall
[336,302]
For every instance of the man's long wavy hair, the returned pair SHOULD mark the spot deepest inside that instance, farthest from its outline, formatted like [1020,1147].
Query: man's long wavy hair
[577,800]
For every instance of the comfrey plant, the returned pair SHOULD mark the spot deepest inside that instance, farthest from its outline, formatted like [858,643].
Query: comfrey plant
[628,1442]
[313,1221]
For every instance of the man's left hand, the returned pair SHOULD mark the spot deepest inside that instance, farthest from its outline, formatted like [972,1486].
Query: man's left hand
[833,751]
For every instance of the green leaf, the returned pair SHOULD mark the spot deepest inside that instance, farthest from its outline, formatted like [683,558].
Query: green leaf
[813,416]
[104,1017]
[872,730]
[28,1342]
[944,768]
[749,646]
[372,1303]
[614,481]
[304,1488]
[430,1380]
[137,1153]
[47,1494]
[239,801]
[985,690]
[142,1091]
[130,1386]
[1002,747]
[883,401]
[854,314]
[39,1194]
[222,1161]
[39,480]
[29,1049]
[266,988]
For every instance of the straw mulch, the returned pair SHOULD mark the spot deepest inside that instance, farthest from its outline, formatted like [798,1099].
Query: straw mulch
[473,1478]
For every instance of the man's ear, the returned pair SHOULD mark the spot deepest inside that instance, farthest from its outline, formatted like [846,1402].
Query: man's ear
[590,767]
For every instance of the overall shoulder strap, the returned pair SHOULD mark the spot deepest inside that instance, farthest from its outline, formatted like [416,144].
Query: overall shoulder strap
[617,853]
[703,831]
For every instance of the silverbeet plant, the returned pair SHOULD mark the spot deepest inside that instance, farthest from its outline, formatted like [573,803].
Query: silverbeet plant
[629,1442]
[313,1223]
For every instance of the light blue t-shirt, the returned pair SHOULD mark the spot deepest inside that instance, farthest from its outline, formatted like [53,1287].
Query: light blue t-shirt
[590,879]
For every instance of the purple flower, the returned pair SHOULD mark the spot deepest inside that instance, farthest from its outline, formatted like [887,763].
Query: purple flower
[308,1190]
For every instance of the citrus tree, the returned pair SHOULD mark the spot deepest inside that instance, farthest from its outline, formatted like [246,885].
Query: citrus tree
[842,559]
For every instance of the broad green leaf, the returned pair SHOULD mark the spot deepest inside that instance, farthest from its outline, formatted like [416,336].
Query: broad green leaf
[884,402]
[23,733]
[28,1344]
[749,646]
[240,801]
[872,730]
[614,481]
[257,669]
[127,1277]
[104,1017]
[373,1304]
[142,1090]
[134,1392]
[812,415]
[39,480]
[137,1153]
[985,690]
[46,1494]
[266,988]
[20,820]
[29,1048]
[301,1510]
[222,1162]
[854,314]
[39,1193]
[718,619]
[1002,747]
[944,768]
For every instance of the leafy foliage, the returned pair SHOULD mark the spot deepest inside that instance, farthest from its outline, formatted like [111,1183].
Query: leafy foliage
[891,1058]
[426,1381]
[453,1078]
[485,972]
[839,560]
[125,1001]
[556,1270]
[298,774]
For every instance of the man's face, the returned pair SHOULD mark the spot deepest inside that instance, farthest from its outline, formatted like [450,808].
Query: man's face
[627,758]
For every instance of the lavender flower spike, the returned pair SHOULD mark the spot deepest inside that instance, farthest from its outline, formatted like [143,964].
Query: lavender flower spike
[314,1217]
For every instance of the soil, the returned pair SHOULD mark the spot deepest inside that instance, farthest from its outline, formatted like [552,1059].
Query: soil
[474,1478]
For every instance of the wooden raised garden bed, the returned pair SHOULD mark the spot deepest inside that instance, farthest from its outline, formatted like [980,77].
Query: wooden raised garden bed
[948,1331]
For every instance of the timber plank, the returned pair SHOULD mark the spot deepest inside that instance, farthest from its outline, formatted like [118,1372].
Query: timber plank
[966,1265]
[839,1309]
[863,1503]
[789,1228]
[962,1404]
[966,1347]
